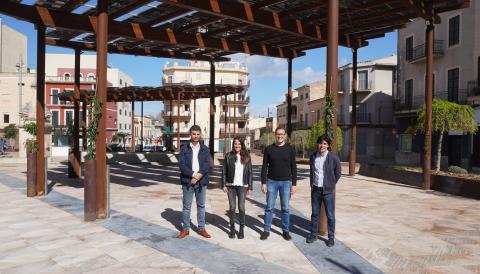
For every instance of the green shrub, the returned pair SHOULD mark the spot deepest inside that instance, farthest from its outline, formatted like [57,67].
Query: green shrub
[457,169]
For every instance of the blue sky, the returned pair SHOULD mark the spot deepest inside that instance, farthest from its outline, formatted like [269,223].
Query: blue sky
[268,76]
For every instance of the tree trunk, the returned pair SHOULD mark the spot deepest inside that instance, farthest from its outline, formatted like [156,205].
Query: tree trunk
[439,152]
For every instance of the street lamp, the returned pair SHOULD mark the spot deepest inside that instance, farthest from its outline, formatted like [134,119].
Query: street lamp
[20,65]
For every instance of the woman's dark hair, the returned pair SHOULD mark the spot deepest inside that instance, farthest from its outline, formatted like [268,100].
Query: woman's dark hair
[243,150]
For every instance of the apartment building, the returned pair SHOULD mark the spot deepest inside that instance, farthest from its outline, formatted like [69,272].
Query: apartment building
[375,85]
[302,109]
[59,70]
[231,114]
[456,68]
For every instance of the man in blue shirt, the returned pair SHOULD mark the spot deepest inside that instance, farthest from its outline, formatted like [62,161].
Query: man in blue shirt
[194,162]
[325,171]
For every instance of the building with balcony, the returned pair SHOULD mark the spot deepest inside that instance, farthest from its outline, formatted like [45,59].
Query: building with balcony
[231,114]
[375,86]
[456,75]
[59,77]
[302,111]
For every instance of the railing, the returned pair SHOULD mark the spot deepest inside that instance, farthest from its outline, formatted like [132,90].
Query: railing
[237,131]
[415,102]
[238,117]
[174,113]
[69,79]
[473,88]
[238,101]
[418,52]
[364,117]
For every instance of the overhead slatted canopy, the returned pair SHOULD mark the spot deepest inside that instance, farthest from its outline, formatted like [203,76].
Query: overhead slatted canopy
[211,29]
[163,93]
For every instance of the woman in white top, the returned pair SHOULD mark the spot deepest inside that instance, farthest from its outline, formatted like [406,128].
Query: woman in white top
[237,182]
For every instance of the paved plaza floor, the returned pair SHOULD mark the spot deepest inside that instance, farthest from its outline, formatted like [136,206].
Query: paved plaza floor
[381,227]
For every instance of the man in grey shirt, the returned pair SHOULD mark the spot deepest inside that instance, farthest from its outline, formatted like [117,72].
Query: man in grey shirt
[325,170]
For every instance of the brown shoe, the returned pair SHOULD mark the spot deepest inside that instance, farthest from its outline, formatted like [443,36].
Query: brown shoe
[183,234]
[204,233]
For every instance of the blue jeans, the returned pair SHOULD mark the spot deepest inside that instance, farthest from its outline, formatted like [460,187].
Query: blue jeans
[284,187]
[200,195]
[329,200]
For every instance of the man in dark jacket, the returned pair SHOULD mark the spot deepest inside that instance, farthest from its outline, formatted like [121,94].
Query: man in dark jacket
[194,162]
[325,171]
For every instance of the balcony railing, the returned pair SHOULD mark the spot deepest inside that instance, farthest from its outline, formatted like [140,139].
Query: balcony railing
[414,103]
[418,52]
[238,101]
[239,117]
[473,88]
[167,114]
[69,79]
[237,131]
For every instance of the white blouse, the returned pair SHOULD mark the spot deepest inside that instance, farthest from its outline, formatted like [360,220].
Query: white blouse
[238,179]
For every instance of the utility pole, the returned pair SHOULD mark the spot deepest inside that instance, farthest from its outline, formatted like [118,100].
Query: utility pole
[20,66]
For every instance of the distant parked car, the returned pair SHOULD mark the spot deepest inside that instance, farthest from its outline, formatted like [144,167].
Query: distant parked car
[148,148]
[160,148]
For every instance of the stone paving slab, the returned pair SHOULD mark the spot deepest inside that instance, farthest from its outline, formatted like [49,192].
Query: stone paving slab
[381,226]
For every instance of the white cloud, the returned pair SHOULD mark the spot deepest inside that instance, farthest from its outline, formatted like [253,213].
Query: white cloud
[261,66]
[307,75]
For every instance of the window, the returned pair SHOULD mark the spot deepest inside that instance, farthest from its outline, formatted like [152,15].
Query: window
[453,79]
[409,48]
[240,82]
[67,76]
[405,142]
[363,80]
[306,95]
[54,96]
[68,117]
[454,31]
[409,92]
[187,107]
[55,118]
[6,118]
[341,85]
[306,119]
[170,79]
[121,82]
[91,77]
[120,111]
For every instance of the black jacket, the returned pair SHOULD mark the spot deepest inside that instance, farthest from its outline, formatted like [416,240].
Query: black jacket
[228,172]
[185,162]
[332,170]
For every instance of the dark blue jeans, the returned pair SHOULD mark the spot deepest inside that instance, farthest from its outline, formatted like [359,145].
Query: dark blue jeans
[329,201]
[200,195]
[284,188]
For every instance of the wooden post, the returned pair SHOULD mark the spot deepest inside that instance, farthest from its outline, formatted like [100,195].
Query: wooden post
[84,124]
[40,179]
[289,100]
[194,111]
[353,146]
[428,105]
[211,142]
[132,149]
[101,94]
[234,114]
[225,111]
[178,122]
[76,120]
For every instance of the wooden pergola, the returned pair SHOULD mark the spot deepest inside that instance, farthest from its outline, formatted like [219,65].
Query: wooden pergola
[212,29]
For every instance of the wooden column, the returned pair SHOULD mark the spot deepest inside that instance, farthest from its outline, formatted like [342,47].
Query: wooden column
[234,114]
[225,111]
[428,105]
[194,111]
[289,100]
[141,126]
[132,148]
[41,110]
[101,94]
[332,63]
[178,122]
[75,160]
[353,146]
[211,142]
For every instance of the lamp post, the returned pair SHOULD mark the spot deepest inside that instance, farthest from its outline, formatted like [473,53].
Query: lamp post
[20,65]
[268,126]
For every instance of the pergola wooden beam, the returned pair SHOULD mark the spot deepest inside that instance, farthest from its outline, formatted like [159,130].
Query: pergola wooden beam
[71,5]
[266,3]
[244,12]
[52,18]
[134,51]
[132,6]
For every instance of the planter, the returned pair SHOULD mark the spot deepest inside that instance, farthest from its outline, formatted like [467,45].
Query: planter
[31,174]
[89,191]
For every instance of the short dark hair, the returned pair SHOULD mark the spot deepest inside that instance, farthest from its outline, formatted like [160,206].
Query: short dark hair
[323,138]
[195,128]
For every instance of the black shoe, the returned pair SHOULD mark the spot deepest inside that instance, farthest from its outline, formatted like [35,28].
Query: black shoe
[240,232]
[286,235]
[330,242]
[311,238]
[231,235]
[264,235]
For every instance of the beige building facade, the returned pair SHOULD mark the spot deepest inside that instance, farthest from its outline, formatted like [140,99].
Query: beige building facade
[196,111]
[456,73]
